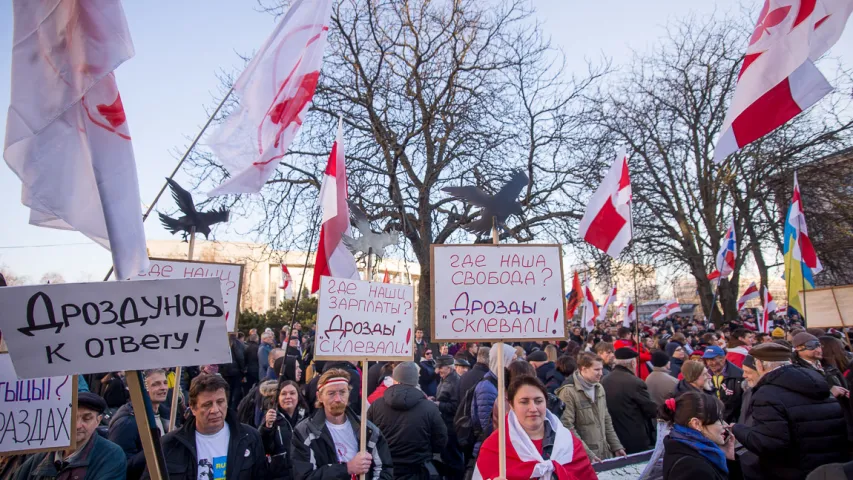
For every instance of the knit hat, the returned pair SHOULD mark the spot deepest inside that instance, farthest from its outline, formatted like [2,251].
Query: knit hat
[671,347]
[406,373]
[802,338]
[659,358]
[778,333]
[692,370]
[771,352]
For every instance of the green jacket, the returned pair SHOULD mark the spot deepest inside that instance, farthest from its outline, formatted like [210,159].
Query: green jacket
[100,459]
[589,421]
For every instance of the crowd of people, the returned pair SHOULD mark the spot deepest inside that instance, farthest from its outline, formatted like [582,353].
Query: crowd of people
[711,403]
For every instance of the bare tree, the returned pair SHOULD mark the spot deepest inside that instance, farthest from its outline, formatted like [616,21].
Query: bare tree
[51,278]
[12,279]
[432,94]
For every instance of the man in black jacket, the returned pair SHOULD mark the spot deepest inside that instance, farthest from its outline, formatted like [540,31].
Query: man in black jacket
[546,371]
[477,372]
[796,423]
[123,431]
[728,380]
[251,362]
[233,372]
[326,446]
[411,424]
[212,443]
[628,401]
[447,399]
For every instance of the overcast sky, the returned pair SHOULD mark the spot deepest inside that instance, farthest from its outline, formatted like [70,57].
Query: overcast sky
[181,45]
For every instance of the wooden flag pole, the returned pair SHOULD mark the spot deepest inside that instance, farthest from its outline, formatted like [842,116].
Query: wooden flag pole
[149,435]
[501,386]
[636,294]
[363,420]
[173,413]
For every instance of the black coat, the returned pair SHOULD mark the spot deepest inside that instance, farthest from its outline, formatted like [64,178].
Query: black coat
[796,425]
[413,427]
[447,396]
[731,392]
[471,378]
[124,433]
[681,462]
[277,442]
[631,409]
[250,357]
[238,360]
[182,460]
[547,372]
[428,378]
[373,376]
[314,456]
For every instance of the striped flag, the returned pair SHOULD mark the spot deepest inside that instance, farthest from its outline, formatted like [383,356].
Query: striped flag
[590,309]
[801,262]
[728,252]
[748,294]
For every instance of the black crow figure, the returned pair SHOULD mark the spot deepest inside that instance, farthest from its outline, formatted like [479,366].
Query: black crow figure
[368,241]
[499,206]
[191,217]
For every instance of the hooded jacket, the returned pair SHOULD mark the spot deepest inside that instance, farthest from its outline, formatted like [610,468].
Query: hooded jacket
[277,441]
[796,426]
[124,433]
[548,374]
[412,426]
[246,459]
[314,456]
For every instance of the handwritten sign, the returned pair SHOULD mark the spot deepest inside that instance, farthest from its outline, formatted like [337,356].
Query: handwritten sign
[36,414]
[80,328]
[358,320]
[229,275]
[497,292]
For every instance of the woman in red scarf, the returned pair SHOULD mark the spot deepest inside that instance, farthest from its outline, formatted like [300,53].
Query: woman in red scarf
[538,445]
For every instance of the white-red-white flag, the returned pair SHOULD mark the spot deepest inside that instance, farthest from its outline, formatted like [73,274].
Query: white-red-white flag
[630,313]
[606,221]
[769,307]
[274,92]
[666,310]
[286,281]
[590,309]
[603,310]
[748,294]
[333,257]
[67,137]
[778,79]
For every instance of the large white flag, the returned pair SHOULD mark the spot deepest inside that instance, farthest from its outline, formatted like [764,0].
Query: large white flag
[275,91]
[67,137]
[603,310]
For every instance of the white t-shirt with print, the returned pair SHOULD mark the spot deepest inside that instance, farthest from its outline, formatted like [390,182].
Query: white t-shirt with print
[212,454]
[346,445]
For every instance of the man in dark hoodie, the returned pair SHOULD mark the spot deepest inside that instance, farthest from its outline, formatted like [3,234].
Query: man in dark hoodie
[250,356]
[123,431]
[411,424]
[677,355]
[546,371]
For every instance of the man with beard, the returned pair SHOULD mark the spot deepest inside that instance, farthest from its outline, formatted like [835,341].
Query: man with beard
[123,431]
[325,445]
[212,443]
[94,457]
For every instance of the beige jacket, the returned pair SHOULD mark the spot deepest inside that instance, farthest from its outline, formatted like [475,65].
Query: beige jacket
[587,420]
[661,385]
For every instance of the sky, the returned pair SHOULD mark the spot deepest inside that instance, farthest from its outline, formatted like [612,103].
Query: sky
[182,45]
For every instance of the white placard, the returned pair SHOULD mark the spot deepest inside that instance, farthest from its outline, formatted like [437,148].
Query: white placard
[358,320]
[35,414]
[229,274]
[497,292]
[82,328]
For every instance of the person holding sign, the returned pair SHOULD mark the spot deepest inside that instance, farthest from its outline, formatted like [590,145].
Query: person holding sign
[325,446]
[212,444]
[95,457]
[537,444]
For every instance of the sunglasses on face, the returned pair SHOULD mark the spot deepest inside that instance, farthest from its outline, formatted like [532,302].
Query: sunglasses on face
[811,345]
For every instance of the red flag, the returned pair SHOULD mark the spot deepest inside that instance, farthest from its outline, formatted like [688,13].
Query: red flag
[606,221]
[590,309]
[574,297]
[333,257]
[386,278]
[748,294]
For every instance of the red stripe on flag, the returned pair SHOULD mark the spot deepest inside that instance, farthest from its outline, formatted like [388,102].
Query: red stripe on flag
[767,113]
[321,263]
[604,227]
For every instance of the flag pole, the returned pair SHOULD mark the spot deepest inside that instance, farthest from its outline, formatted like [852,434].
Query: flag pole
[180,162]
[636,295]
[501,385]
[302,280]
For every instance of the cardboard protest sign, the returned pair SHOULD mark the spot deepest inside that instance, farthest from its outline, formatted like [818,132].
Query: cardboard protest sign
[36,414]
[108,326]
[828,307]
[229,275]
[364,320]
[497,292]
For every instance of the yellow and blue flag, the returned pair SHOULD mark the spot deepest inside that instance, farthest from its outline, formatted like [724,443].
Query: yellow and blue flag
[801,262]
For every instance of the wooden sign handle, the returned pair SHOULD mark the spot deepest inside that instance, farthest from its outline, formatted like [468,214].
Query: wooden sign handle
[501,411]
[363,420]
[153,455]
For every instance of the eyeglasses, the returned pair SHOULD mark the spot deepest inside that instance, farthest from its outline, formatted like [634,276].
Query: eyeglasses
[811,345]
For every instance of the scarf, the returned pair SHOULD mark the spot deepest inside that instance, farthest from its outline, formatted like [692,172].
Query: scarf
[568,459]
[587,387]
[695,440]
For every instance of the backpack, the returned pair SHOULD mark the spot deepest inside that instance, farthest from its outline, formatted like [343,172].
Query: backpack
[246,408]
[465,422]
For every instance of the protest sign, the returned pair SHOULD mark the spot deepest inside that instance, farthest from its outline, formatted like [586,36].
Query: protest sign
[829,307]
[364,320]
[497,292]
[81,328]
[230,276]
[38,414]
